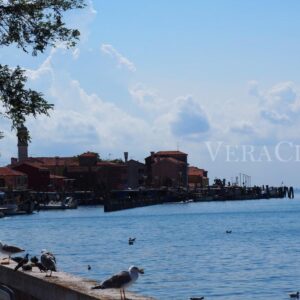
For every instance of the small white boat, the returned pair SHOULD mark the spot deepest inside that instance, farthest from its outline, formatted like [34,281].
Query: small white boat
[67,203]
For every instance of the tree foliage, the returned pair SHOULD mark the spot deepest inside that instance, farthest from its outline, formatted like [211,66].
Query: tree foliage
[31,25]
[18,101]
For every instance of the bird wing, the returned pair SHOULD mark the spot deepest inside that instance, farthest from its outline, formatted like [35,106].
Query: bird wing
[117,280]
[52,255]
[17,259]
[41,267]
[21,263]
[12,249]
[34,259]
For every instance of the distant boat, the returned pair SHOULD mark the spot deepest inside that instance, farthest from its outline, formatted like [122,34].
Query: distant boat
[67,203]
[70,202]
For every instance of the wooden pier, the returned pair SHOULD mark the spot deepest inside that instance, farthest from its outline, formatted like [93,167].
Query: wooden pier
[125,199]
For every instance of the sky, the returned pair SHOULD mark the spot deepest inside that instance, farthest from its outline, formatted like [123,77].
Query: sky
[218,80]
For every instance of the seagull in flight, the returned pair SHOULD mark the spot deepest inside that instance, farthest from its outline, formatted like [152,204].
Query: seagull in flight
[121,280]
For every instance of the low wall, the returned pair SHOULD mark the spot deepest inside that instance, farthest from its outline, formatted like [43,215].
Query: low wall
[33,285]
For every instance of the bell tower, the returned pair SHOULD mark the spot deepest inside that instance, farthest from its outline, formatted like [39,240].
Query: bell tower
[22,135]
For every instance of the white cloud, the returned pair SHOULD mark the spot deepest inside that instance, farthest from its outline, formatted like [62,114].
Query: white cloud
[148,99]
[44,68]
[190,120]
[253,88]
[76,53]
[182,117]
[91,8]
[243,127]
[282,93]
[279,104]
[86,118]
[122,61]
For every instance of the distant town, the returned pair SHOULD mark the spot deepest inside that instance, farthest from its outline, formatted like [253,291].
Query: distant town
[87,171]
[165,176]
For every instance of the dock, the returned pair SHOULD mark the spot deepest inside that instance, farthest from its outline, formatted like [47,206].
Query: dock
[126,199]
[33,285]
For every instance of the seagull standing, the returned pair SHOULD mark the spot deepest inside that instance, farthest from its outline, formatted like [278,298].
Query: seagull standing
[121,280]
[48,260]
[9,250]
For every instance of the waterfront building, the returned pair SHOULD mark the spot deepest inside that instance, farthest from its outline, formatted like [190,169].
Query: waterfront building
[197,178]
[167,168]
[12,180]
[38,175]
[136,172]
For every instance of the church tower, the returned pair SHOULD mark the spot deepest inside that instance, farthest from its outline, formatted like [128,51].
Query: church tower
[22,135]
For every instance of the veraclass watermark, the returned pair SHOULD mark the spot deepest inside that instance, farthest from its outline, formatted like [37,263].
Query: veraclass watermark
[283,151]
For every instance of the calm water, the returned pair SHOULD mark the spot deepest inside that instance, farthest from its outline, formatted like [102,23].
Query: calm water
[182,247]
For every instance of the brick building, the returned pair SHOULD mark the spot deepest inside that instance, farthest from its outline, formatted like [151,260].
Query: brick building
[197,178]
[12,179]
[167,168]
[38,175]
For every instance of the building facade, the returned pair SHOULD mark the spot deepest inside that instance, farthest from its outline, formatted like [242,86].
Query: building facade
[12,180]
[167,168]
[197,178]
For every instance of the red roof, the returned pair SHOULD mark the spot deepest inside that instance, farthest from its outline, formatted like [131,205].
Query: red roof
[32,164]
[194,171]
[4,171]
[55,161]
[170,153]
[171,159]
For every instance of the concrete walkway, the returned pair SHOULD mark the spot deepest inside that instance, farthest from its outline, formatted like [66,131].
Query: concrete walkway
[33,285]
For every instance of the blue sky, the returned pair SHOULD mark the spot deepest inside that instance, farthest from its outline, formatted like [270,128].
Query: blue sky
[166,75]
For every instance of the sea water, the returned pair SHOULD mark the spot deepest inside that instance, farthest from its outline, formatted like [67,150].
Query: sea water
[183,248]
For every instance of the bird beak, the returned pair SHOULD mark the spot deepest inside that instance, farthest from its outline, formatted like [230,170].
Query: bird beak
[141,271]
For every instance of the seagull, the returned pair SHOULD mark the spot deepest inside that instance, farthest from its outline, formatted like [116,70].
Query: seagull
[23,262]
[131,241]
[35,263]
[121,280]
[9,250]
[34,259]
[48,261]
[17,259]
[294,295]
[228,231]
[27,267]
